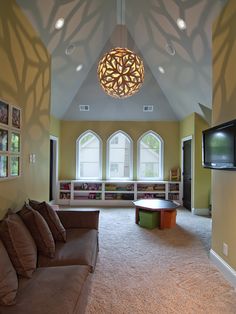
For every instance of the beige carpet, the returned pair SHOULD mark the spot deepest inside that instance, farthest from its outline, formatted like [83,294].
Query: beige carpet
[157,271]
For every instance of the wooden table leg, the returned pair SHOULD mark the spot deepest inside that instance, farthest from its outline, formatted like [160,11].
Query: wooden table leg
[162,217]
[136,215]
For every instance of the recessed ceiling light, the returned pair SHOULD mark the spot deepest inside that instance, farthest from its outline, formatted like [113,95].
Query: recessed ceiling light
[79,67]
[170,49]
[161,70]
[70,49]
[59,23]
[181,24]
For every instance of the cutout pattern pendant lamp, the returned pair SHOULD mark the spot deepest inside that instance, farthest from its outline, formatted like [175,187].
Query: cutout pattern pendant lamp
[120,73]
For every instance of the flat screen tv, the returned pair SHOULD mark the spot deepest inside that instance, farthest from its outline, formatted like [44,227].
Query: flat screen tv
[219,146]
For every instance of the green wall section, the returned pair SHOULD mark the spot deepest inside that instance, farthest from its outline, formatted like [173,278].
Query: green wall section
[71,130]
[55,127]
[187,126]
[193,125]
[25,81]
[224,109]
[202,176]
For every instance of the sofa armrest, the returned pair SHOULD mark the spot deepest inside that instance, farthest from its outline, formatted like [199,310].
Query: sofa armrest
[79,219]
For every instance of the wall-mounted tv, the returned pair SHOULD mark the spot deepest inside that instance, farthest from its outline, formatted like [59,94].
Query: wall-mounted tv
[219,146]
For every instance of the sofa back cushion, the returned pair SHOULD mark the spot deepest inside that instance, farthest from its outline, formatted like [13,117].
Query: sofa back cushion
[52,219]
[8,278]
[20,245]
[39,230]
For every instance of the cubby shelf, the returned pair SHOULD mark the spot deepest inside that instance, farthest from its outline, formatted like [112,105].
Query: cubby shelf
[82,193]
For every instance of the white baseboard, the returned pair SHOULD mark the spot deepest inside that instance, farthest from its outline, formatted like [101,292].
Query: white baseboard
[200,211]
[228,272]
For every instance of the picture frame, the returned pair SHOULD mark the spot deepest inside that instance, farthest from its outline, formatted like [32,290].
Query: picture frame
[4,113]
[16,117]
[10,140]
[3,140]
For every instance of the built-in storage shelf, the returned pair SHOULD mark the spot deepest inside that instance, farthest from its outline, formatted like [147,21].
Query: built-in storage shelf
[77,192]
[151,195]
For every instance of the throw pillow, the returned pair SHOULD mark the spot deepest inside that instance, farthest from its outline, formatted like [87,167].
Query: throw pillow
[39,230]
[20,245]
[8,278]
[52,219]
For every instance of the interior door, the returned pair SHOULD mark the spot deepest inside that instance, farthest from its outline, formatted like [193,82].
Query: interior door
[187,173]
[51,171]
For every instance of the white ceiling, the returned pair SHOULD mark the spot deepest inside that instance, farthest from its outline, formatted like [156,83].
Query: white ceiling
[91,25]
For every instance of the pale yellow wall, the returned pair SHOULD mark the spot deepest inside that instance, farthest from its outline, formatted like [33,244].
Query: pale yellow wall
[71,130]
[55,126]
[202,176]
[224,109]
[186,127]
[25,81]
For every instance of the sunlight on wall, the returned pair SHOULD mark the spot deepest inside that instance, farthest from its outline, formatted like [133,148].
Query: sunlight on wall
[224,109]
[25,81]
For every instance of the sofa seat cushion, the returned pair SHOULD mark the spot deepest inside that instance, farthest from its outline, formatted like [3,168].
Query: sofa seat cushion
[54,290]
[80,249]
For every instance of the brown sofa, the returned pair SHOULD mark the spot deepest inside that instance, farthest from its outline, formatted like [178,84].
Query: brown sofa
[61,284]
[81,246]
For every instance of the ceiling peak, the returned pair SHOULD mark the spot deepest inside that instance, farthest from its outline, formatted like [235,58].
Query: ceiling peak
[120,12]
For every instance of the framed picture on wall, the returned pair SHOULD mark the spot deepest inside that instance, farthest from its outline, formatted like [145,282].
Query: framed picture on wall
[4,113]
[10,141]
[16,118]
[3,140]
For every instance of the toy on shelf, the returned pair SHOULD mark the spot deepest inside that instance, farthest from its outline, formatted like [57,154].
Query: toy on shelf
[175,174]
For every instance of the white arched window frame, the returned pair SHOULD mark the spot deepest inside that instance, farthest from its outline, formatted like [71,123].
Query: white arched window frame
[93,159]
[112,163]
[158,160]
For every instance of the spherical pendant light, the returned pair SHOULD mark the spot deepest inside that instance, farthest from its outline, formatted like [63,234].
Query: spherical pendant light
[120,72]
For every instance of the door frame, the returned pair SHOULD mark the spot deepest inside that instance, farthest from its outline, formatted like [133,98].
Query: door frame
[185,139]
[55,168]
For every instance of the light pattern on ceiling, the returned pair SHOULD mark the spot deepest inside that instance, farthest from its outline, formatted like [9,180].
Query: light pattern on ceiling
[120,73]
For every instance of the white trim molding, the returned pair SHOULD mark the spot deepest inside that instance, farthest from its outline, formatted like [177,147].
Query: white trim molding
[55,167]
[128,137]
[161,158]
[184,139]
[228,272]
[201,211]
[78,155]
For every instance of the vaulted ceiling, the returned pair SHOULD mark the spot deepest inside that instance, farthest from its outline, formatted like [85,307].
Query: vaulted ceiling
[149,28]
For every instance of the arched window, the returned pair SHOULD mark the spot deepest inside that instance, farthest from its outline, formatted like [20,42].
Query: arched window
[89,156]
[119,156]
[150,156]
